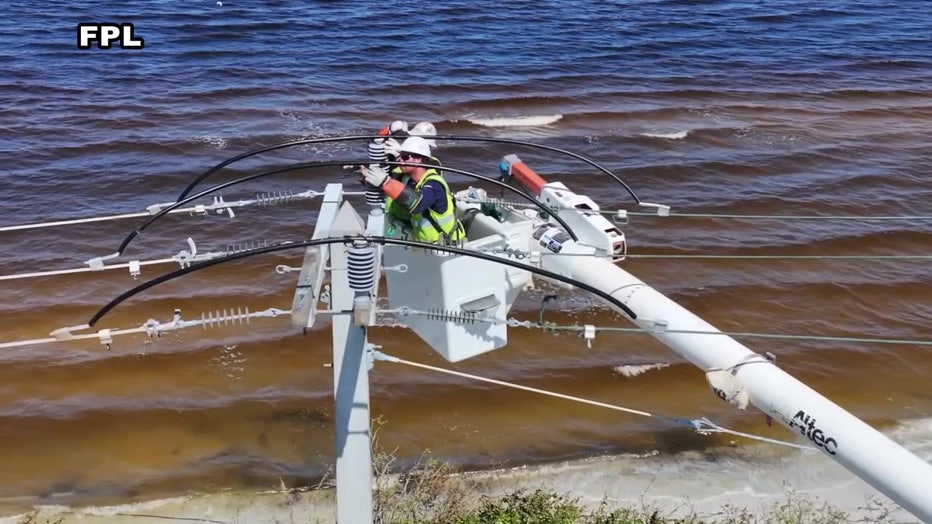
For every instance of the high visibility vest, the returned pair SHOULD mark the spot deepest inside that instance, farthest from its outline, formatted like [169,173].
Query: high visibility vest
[397,212]
[422,227]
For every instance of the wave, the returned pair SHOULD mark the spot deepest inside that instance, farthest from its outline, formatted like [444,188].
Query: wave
[635,370]
[516,121]
[676,135]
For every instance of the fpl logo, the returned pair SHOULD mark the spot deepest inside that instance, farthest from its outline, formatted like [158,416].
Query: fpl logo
[105,35]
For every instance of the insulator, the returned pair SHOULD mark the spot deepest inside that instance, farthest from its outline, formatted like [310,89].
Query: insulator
[497,201]
[374,195]
[507,203]
[274,198]
[245,246]
[212,319]
[361,266]
[458,317]
[377,151]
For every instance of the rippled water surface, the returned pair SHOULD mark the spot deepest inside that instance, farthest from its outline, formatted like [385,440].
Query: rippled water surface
[720,108]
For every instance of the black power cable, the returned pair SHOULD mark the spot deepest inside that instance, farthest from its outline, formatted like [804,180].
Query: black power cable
[330,163]
[349,240]
[345,138]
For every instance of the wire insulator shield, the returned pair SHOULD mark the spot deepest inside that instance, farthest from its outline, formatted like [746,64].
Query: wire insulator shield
[374,195]
[361,266]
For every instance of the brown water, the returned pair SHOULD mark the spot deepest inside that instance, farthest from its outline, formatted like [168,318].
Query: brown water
[820,128]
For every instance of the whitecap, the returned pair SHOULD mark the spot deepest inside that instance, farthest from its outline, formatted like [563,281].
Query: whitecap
[634,370]
[516,121]
[677,135]
[215,141]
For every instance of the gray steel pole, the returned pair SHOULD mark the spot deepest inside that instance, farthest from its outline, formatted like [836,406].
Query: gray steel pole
[350,385]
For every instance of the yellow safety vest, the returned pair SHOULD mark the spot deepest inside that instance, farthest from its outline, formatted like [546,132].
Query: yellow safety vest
[421,226]
[397,212]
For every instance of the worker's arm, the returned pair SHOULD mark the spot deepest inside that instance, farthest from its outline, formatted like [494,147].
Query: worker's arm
[417,202]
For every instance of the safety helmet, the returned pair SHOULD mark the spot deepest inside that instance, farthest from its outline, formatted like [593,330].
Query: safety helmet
[398,126]
[416,145]
[425,129]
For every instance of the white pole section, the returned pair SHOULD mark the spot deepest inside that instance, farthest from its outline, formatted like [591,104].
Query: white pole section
[881,462]
[350,384]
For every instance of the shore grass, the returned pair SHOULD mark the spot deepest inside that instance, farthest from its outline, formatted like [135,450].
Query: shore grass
[431,492]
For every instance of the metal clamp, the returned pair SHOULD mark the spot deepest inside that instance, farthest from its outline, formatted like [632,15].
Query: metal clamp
[221,207]
[662,209]
[97,263]
[153,328]
[658,327]
[105,338]
[589,334]
[65,333]
[401,268]
[184,257]
[134,268]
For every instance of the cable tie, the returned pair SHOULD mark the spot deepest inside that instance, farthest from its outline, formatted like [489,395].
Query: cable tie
[65,333]
[134,268]
[153,328]
[97,263]
[155,208]
[105,338]
[589,334]
[659,326]
[662,209]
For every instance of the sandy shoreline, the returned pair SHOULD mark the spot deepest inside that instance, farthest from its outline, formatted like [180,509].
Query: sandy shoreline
[687,483]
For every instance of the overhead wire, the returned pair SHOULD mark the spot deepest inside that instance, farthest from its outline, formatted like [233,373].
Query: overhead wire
[284,246]
[330,163]
[858,218]
[552,327]
[749,334]
[219,205]
[522,254]
[701,426]
[151,327]
[127,265]
[345,138]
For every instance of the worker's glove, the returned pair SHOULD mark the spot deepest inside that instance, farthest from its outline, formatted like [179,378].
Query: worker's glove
[392,147]
[374,175]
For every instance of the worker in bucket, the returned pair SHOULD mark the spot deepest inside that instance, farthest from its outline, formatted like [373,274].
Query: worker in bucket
[384,148]
[422,200]
[392,146]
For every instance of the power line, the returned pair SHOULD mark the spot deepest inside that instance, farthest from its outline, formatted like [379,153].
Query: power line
[783,257]
[153,328]
[661,329]
[777,217]
[521,254]
[700,426]
[219,206]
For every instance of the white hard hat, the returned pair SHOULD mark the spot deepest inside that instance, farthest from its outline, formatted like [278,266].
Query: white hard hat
[398,125]
[425,129]
[416,145]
